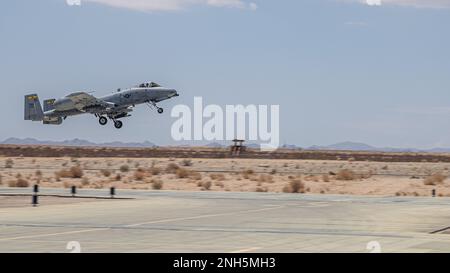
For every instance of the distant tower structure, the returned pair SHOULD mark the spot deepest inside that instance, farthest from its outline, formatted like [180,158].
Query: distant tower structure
[238,147]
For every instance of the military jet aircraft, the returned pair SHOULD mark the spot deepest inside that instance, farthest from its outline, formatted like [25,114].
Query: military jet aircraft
[114,106]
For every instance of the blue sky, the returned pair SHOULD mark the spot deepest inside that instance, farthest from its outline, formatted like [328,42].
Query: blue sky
[339,69]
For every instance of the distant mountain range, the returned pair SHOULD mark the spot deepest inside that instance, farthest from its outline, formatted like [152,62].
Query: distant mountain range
[342,146]
[357,146]
[76,142]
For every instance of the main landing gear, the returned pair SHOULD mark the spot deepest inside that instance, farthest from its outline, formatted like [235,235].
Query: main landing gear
[103,121]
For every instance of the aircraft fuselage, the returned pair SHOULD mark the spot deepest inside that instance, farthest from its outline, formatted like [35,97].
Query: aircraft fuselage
[113,106]
[128,97]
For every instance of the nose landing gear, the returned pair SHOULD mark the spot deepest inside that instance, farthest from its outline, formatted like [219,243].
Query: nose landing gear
[152,105]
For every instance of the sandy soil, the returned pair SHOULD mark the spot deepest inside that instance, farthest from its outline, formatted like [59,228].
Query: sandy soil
[325,177]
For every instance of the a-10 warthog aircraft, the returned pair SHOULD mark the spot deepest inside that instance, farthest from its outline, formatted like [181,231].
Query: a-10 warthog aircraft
[114,106]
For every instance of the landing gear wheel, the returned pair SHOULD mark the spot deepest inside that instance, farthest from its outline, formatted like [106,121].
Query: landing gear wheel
[160,110]
[102,120]
[118,124]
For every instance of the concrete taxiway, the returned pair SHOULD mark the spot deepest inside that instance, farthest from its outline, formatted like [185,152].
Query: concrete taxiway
[163,221]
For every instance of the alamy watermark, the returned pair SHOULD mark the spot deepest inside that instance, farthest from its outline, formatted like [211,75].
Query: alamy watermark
[73,2]
[215,123]
[74,247]
[374,247]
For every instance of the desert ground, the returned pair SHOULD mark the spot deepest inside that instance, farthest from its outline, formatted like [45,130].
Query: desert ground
[230,174]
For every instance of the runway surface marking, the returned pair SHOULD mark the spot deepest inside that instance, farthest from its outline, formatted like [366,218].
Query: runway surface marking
[53,234]
[140,224]
[202,216]
[246,250]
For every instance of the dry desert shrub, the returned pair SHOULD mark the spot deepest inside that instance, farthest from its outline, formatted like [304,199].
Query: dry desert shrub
[325,178]
[155,170]
[435,179]
[217,176]
[11,183]
[186,162]
[157,184]
[73,172]
[346,175]
[139,175]
[206,185]
[195,175]
[219,184]
[9,163]
[265,178]
[172,168]
[295,186]
[85,181]
[106,173]
[125,168]
[312,178]
[38,173]
[182,173]
[118,177]
[247,174]
[401,193]
[76,172]
[22,183]
[260,189]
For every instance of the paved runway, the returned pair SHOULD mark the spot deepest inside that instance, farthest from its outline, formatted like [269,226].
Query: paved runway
[160,221]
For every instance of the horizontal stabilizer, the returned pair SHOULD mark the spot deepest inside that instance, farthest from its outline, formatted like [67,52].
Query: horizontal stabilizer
[48,105]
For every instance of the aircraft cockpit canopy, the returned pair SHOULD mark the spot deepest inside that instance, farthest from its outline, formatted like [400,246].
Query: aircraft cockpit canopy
[149,85]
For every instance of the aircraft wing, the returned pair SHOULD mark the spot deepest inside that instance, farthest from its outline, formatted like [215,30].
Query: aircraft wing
[83,100]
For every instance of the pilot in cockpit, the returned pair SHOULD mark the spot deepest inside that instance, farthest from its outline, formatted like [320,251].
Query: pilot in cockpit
[149,85]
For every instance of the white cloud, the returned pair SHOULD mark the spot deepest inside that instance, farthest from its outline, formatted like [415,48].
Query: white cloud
[410,3]
[172,5]
[373,2]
